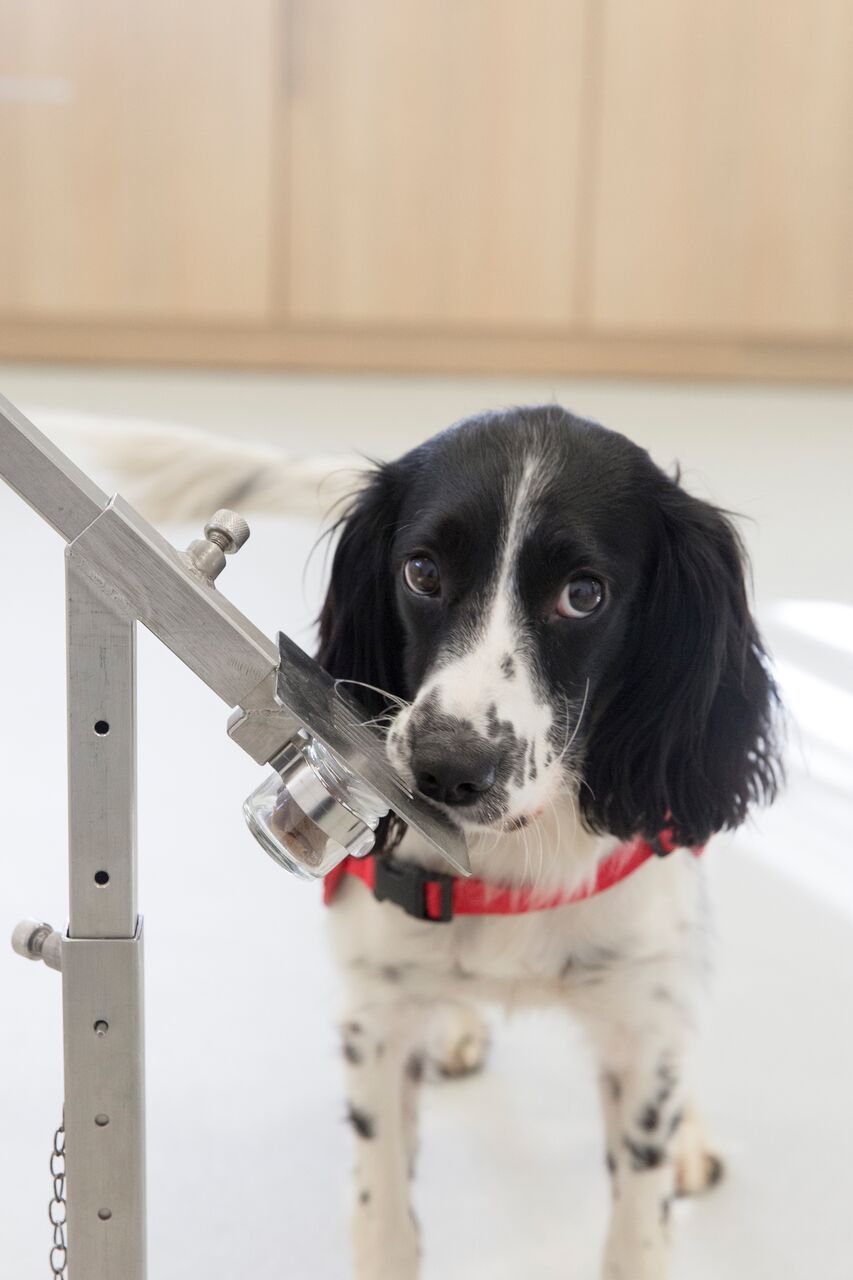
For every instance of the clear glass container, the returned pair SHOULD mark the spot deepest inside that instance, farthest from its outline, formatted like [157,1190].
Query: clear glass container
[312,812]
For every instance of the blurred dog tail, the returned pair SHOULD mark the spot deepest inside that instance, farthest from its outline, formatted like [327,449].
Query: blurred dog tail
[184,473]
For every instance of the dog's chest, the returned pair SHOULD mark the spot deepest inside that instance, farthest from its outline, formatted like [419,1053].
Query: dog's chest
[650,919]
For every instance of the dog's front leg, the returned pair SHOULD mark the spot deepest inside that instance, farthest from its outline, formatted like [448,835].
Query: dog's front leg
[643,1107]
[383,1067]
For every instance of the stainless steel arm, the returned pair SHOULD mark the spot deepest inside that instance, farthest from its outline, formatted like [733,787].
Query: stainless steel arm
[43,476]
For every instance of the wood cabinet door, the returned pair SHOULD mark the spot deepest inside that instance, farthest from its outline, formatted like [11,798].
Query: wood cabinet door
[723,193]
[136,155]
[435,154]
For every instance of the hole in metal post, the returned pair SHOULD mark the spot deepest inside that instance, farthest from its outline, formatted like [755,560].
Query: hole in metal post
[105,1214]
[102,877]
[101,1120]
[102,728]
[101,1027]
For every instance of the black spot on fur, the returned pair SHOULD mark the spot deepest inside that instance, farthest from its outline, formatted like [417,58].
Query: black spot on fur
[363,1124]
[364,1197]
[714,1169]
[508,666]
[613,1085]
[643,1155]
[611,1164]
[352,1053]
[668,1082]
[415,1068]
[518,750]
[675,1122]
[649,1118]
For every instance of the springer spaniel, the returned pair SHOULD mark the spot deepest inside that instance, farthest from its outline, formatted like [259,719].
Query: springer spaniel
[559,638]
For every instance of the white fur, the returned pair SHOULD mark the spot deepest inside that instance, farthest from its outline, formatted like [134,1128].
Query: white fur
[629,964]
[182,473]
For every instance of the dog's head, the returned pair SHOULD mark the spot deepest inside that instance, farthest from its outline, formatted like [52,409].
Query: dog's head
[554,611]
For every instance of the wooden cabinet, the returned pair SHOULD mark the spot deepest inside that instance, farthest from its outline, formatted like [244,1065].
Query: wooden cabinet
[435,161]
[543,186]
[136,151]
[723,197]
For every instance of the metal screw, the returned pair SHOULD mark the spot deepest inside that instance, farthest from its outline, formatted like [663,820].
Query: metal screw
[227,530]
[101,1120]
[29,937]
[36,940]
[105,1214]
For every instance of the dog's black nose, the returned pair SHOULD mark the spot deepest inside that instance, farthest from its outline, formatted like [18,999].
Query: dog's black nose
[454,779]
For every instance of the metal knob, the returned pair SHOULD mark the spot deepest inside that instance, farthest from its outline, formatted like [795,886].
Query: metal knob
[227,529]
[37,940]
[224,533]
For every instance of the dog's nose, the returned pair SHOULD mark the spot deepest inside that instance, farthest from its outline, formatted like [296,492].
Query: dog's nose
[454,779]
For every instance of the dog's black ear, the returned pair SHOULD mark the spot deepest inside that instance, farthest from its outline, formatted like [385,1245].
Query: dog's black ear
[686,738]
[360,633]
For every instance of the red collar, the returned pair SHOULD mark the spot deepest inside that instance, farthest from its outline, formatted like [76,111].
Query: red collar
[436,896]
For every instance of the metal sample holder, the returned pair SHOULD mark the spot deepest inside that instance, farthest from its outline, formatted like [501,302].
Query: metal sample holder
[120,571]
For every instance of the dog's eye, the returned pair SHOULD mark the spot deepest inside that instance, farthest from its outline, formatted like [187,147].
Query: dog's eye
[421,576]
[580,597]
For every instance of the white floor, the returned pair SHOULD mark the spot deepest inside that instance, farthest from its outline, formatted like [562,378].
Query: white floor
[248,1154]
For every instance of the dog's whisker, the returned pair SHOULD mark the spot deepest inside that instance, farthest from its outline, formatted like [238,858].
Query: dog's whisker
[541,838]
[363,684]
[557,842]
[387,717]
[580,715]
[574,734]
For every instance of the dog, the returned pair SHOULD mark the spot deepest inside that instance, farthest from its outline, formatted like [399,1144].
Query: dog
[557,641]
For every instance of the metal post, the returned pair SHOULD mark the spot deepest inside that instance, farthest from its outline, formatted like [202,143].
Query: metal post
[102,975]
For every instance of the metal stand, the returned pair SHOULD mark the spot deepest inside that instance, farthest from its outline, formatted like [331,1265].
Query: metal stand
[102,997]
[120,571]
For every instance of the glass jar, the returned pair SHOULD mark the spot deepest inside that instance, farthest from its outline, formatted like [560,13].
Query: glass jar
[312,812]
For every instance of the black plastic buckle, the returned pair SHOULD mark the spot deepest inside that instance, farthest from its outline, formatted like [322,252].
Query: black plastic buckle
[404,884]
[659,847]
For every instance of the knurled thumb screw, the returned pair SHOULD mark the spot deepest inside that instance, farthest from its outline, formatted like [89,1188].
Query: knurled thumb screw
[227,530]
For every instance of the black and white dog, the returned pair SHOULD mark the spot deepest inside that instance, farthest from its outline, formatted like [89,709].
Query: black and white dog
[562,637]
[558,641]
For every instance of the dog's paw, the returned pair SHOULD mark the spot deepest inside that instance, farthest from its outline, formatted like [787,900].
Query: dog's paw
[459,1040]
[697,1166]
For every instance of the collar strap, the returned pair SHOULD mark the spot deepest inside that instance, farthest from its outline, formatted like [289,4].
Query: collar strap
[438,897]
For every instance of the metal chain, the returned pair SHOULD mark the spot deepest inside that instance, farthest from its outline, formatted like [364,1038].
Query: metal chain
[57,1209]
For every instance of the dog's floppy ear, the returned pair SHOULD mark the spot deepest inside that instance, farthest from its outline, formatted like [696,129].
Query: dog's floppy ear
[687,737]
[360,633]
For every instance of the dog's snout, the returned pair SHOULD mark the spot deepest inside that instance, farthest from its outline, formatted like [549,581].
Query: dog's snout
[454,778]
